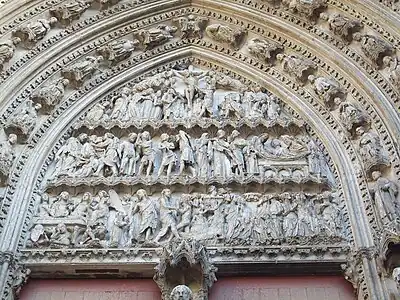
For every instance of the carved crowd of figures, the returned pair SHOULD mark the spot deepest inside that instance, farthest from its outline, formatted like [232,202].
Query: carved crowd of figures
[161,98]
[217,217]
[223,157]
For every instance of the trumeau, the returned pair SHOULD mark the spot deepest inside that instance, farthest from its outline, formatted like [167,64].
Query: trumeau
[130,127]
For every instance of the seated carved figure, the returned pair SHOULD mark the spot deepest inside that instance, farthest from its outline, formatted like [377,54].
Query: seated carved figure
[342,26]
[225,34]
[82,70]
[52,94]
[24,120]
[33,32]
[297,66]
[374,47]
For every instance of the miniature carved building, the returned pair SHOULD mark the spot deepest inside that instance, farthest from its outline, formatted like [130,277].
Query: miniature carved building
[166,144]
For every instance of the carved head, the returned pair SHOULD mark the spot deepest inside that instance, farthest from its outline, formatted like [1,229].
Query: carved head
[53,20]
[132,137]
[82,137]
[141,194]
[235,133]
[181,292]
[64,196]
[376,175]
[145,135]
[360,131]
[87,196]
[12,138]
[45,198]
[164,137]
[220,133]
[387,60]
[125,91]
[62,228]
[166,192]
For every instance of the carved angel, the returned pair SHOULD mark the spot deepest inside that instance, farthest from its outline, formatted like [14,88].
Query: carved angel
[297,66]
[7,49]
[191,26]
[7,155]
[374,47]
[262,49]
[394,68]
[119,50]
[51,94]
[342,26]
[156,36]
[82,70]
[23,121]
[225,34]
[35,31]
[72,10]
[328,90]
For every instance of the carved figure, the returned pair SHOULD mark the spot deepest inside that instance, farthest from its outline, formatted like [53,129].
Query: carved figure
[38,236]
[263,50]
[147,153]
[156,36]
[306,8]
[7,50]
[328,90]
[351,115]
[225,34]
[385,194]
[191,26]
[119,224]
[82,70]
[119,111]
[96,113]
[371,149]
[394,68]
[342,26]
[110,157]
[129,156]
[168,216]
[298,67]
[117,51]
[237,145]
[33,32]
[20,277]
[203,146]
[59,208]
[24,120]
[181,292]
[72,10]
[168,157]
[221,156]
[60,237]
[396,277]
[104,4]
[374,47]
[149,214]
[289,216]
[7,155]
[186,148]
[52,94]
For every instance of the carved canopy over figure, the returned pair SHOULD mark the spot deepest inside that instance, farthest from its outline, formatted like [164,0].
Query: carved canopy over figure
[117,51]
[374,47]
[52,94]
[264,50]
[225,34]
[156,36]
[35,31]
[7,155]
[7,49]
[298,67]
[24,120]
[72,10]
[342,26]
[191,26]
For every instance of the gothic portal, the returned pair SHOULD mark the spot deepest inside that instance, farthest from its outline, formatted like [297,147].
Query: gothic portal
[200,149]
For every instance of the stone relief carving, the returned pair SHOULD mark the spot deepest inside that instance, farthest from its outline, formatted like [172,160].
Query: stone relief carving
[225,34]
[189,97]
[82,70]
[191,26]
[264,50]
[24,120]
[393,65]
[7,156]
[50,95]
[33,32]
[328,90]
[70,11]
[20,277]
[170,158]
[105,4]
[374,47]
[306,8]
[298,67]
[342,26]
[184,271]
[396,277]
[385,194]
[371,150]
[7,50]
[156,36]
[352,116]
[108,220]
[118,51]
